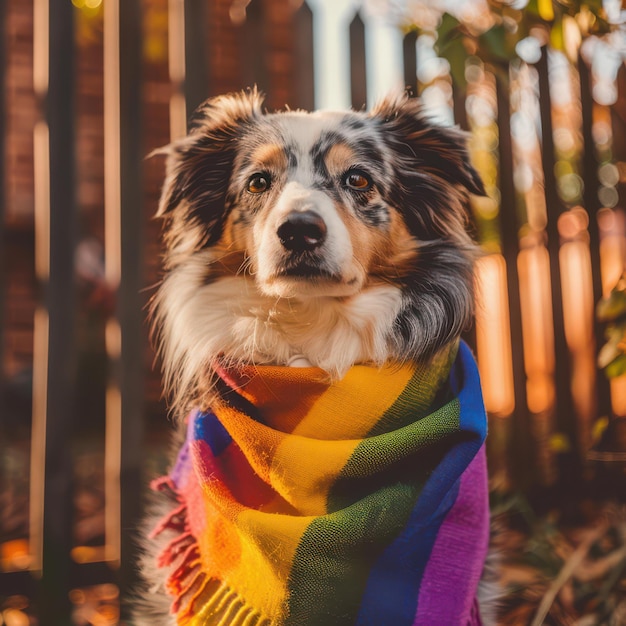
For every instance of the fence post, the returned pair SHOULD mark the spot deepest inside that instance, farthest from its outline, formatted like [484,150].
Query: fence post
[187,57]
[592,205]
[123,270]
[54,342]
[176,60]
[522,449]
[358,71]
[409,56]
[253,44]
[3,59]
[569,468]
[458,104]
[303,67]
[196,67]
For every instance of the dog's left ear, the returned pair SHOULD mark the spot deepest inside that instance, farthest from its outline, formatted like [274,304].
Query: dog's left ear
[437,150]
[199,166]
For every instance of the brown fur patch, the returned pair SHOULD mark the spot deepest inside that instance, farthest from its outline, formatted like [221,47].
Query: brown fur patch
[396,257]
[270,156]
[339,158]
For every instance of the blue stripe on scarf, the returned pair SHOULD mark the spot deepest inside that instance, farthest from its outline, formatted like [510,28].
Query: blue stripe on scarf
[470,394]
[398,573]
[208,428]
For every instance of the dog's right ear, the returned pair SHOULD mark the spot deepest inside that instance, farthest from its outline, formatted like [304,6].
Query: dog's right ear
[199,166]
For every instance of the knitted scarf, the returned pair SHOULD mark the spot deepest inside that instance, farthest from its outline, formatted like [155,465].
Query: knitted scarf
[304,502]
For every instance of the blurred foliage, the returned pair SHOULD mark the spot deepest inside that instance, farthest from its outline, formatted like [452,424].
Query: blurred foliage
[496,35]
[554,573]
[89,17]
[612,311]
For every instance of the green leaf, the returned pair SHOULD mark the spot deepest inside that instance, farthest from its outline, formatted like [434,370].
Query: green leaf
[613,347]
[448,28]
[598,429]
[532,8]
[494,42]
[557,38]
[559,443]
[542,9]
[613,307]
[617,367]
[456,55]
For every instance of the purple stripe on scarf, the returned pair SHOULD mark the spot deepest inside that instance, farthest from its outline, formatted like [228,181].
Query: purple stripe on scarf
[182,468]
[455,565]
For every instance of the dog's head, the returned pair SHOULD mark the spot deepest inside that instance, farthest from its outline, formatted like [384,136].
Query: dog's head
[321,203]
[326,205]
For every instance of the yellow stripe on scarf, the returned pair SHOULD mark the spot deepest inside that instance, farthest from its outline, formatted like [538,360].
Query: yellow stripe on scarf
[308,462]
[301,466]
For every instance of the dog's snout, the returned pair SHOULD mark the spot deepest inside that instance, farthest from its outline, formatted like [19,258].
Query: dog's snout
[302,231]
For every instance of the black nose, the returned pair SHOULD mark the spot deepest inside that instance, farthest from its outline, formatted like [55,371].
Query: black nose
[301,231]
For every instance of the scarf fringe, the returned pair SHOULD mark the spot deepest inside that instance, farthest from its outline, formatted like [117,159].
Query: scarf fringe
[182,551]
[190,562]
[226,606]
[193,587]
[222,603]
[190,587]
[187,583]
[178,545]
[200,583]
[176,519]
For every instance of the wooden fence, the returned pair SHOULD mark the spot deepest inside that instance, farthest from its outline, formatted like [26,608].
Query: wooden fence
[549,258]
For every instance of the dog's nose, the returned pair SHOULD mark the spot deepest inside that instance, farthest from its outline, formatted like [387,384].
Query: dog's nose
[302,231]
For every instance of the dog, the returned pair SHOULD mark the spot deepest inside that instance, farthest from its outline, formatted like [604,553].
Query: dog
[312,243]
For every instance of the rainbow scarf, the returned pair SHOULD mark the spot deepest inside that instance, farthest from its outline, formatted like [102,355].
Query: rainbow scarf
[304,502]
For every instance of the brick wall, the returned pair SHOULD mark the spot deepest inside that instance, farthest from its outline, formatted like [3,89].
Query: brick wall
[19,289]
[226,54]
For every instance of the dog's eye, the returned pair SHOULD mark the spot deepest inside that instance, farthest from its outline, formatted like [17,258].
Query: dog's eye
[358,181]
[259,183]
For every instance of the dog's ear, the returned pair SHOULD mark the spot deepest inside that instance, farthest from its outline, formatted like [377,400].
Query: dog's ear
[436,150]
[199,166]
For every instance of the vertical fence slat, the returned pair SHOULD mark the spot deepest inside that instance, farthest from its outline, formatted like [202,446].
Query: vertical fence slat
[54,387]
[112,270]
[521,448]
[3,275]
[187,60]
[196,66]
[459,95]
[252,43]
[130,301]
[458,104]
[303,67]
[176,57]
[409,56]
[568,463]
[592,205]
[123,268]
[358,79]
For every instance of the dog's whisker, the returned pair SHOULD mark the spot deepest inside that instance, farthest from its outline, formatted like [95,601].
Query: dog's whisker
[245,266]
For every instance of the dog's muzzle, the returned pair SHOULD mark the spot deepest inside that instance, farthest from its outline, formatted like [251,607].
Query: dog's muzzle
[302,231]
[304,248]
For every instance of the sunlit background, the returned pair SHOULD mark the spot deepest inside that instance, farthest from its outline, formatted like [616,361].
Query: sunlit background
[89,87]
